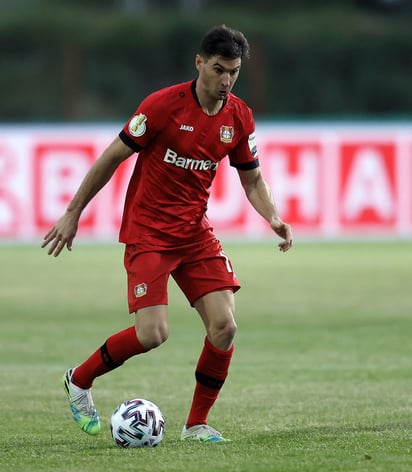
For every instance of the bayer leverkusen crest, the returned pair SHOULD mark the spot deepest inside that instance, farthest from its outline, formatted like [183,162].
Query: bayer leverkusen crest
[140,290]
[226,134]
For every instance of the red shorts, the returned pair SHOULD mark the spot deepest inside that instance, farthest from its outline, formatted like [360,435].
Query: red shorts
[198,269]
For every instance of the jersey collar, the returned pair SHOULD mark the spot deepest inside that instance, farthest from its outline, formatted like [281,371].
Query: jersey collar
[193,88]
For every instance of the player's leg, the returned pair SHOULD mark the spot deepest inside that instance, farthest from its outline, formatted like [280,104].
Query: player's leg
[151,323]
[209,283]
[149,331]
[147,295]
[216,310]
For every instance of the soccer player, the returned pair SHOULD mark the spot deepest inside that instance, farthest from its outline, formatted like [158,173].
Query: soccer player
[181,133]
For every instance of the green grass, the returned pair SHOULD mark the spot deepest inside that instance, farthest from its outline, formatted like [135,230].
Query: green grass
[321,379]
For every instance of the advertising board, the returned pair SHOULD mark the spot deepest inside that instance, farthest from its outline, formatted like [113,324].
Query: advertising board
[330,180]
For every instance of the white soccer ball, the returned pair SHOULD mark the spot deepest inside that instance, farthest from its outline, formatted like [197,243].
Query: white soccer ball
[137,423]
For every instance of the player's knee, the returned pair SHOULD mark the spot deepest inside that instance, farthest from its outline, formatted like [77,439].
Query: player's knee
[222,334]
[153,338]
[151,326]
[229,330]
[156,341]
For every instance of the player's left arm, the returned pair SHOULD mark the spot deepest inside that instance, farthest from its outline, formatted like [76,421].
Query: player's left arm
[260,196]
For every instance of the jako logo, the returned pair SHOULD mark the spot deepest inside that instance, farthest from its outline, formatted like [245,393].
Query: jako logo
[171,157]
[186,128]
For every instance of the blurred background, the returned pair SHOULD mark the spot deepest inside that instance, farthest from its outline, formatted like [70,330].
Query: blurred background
[329,83]
[82,60]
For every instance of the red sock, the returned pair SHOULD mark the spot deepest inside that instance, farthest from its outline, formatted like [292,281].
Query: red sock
[114,352]
[211,372]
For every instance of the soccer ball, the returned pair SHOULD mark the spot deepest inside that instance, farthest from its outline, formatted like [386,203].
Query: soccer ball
[137,423]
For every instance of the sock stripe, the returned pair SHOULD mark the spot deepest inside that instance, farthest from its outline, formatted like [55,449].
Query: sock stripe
[208,381]
[107,359]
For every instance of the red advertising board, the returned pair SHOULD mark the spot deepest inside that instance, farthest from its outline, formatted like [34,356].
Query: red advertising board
[329,181]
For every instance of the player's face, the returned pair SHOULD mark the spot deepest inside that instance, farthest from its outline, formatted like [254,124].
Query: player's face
[217,75]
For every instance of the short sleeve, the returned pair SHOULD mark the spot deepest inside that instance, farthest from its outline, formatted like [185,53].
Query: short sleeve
[144,125]
[245,155]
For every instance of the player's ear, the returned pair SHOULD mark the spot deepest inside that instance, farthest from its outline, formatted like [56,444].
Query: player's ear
[199,61]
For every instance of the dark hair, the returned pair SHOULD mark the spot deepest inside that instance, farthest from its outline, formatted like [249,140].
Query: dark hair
[224,41]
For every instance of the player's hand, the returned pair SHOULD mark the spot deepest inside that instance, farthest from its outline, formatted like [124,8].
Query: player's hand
[61,235]
[283,230]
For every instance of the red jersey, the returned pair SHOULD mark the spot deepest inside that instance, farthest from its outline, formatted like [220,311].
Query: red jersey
[180,148]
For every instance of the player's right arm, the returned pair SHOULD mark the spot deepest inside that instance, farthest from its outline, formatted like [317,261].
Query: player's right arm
[65,229]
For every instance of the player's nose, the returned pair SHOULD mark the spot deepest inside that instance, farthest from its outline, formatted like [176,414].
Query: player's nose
[226,80]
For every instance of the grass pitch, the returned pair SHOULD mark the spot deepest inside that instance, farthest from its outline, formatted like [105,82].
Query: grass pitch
[320,380]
